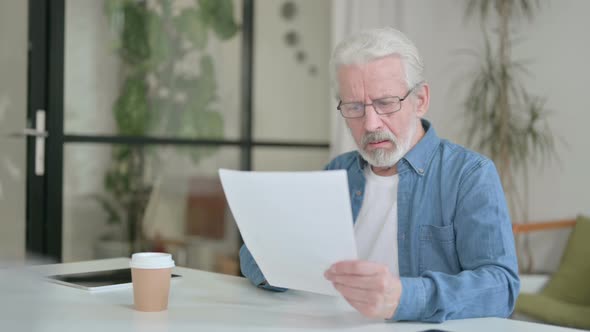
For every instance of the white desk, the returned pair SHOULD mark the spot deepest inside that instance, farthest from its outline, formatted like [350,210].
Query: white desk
[201,301]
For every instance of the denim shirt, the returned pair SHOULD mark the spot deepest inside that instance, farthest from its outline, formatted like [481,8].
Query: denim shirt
[455,245]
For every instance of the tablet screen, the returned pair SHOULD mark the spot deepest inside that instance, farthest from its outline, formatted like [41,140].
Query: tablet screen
[95,280]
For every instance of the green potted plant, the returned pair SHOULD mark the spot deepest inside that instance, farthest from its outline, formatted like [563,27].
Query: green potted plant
[504,120]
[168,90]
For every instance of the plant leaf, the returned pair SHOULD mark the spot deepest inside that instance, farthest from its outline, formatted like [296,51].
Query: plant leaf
[131,108]
[192,25]
[219,15]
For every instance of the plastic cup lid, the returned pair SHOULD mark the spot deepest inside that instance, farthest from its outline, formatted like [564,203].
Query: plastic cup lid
[151,260]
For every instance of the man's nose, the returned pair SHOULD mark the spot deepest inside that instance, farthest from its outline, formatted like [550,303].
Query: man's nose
[372,120]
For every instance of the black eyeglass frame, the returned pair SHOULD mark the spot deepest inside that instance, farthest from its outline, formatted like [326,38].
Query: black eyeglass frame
[399,102]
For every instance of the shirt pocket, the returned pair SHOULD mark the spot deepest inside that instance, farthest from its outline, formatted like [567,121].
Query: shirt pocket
[438,249]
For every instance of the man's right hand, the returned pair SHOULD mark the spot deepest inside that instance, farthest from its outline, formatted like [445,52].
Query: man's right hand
[369,287]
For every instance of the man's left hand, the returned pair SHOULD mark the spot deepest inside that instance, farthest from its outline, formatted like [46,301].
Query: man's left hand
[369,287]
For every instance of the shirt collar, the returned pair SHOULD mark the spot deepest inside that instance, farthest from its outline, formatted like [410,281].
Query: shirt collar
[419,156]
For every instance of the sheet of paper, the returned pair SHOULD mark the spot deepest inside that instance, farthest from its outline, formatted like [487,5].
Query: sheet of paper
[295,224]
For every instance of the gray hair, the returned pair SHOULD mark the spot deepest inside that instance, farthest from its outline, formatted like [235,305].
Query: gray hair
[369,45]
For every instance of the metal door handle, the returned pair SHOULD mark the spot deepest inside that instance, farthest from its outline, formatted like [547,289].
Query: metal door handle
[40,134]
[29,132]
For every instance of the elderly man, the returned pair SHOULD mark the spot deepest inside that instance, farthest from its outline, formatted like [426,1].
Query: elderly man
[431,223]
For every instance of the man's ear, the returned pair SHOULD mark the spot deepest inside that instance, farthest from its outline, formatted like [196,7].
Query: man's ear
[422,99]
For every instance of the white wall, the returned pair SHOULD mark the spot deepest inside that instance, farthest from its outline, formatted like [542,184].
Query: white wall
[288,102]
[560,48]
[13,110]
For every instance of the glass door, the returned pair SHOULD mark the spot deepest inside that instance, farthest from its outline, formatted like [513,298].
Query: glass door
[151,110]
[148,99]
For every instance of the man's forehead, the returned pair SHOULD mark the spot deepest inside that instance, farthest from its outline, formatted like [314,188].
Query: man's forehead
[375,71]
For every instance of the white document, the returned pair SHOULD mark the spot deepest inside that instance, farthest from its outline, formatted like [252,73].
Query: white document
[295,224]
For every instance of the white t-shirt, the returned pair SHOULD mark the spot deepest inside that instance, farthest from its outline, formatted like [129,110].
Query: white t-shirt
[376,225]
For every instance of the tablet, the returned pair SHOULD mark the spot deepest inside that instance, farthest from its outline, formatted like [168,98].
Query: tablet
[98,280]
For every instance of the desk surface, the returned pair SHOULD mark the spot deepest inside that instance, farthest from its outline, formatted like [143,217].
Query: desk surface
[201,301]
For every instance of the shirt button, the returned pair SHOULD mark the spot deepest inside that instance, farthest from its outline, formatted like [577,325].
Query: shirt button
[358,193]
[420,171]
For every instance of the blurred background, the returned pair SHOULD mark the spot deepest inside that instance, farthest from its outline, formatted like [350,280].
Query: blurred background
[115,115]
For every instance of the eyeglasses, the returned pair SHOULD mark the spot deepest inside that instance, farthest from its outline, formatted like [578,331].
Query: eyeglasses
[382,106]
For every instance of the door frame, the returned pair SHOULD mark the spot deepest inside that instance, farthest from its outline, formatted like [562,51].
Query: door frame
[45,92]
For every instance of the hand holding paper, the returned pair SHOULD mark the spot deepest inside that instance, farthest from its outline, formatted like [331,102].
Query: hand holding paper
[295,224]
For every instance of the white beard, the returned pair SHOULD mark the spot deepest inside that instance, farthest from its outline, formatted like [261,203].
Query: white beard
[383,157]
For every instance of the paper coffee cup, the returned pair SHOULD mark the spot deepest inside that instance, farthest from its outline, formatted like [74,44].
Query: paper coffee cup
[150,273]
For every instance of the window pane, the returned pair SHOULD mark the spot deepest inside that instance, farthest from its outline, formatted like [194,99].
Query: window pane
[152,68]
[289,159]
[291,85]
[172,193]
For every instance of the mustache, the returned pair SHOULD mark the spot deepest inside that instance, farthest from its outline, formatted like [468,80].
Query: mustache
[378,136]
